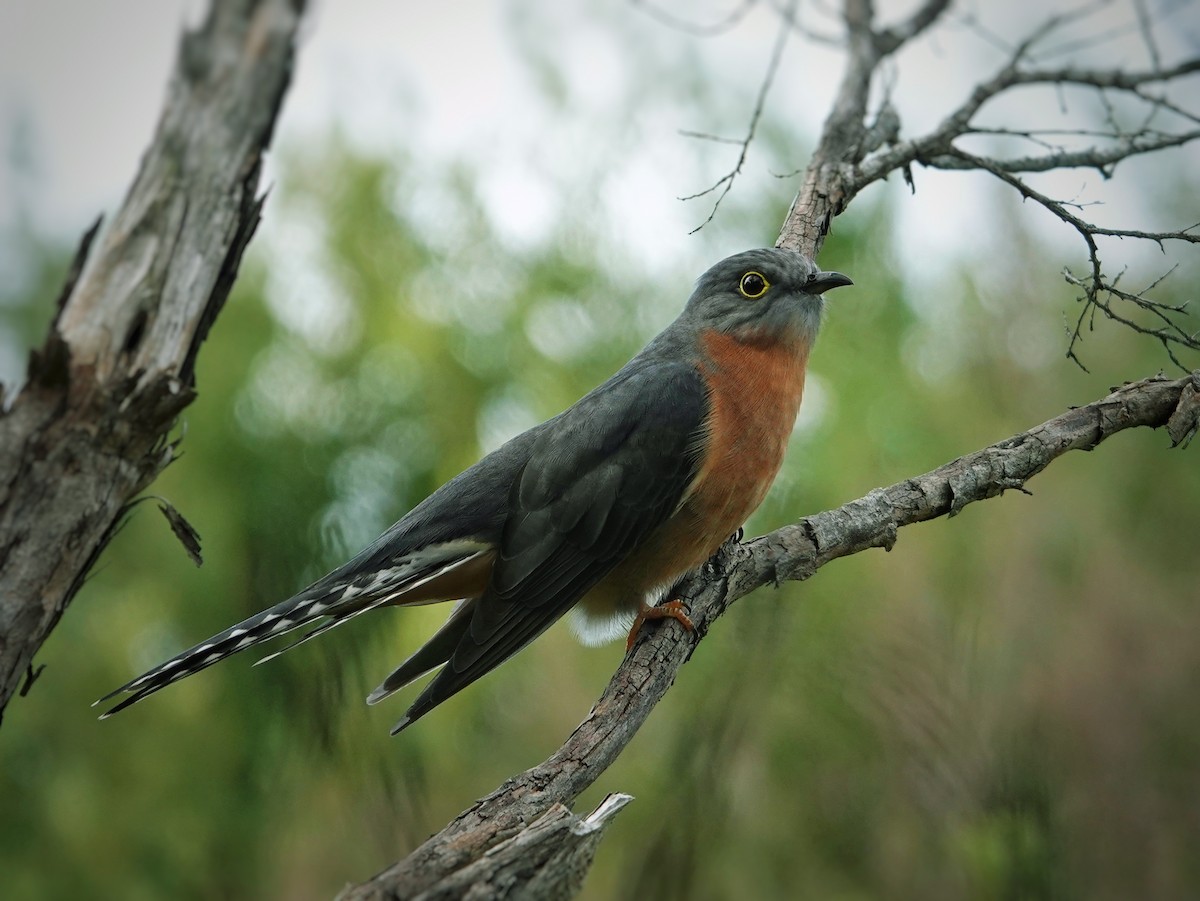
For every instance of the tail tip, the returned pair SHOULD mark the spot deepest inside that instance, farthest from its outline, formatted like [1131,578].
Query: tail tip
[405,722]
[112,694]
[378,695]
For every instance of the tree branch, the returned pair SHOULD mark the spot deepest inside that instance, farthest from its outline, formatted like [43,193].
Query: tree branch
[889,40]
[851,105]
[846,138]
[1097,288]
[852,155]
[959,122]
[89,428]
[1103,159]
[549,858]
[796,552]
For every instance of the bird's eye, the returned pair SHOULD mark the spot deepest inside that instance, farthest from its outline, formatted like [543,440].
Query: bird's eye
[753,285]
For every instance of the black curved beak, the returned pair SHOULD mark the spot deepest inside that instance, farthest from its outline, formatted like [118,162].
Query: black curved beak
[826,281]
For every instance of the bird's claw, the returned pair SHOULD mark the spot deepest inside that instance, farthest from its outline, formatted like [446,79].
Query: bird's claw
[675,610]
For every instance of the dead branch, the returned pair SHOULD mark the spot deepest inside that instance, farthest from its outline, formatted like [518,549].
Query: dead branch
[1099,291]
[89,428]
[846,138]
[794,552]
[549,858]
[848,160]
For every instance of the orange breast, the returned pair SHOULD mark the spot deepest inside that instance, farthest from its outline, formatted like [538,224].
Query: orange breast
[755,389]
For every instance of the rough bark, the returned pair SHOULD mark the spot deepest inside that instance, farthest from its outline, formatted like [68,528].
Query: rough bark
[549,858]
[90,427]
[796,552]
[846,137]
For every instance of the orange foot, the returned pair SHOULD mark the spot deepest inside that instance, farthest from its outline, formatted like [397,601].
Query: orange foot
[670,610]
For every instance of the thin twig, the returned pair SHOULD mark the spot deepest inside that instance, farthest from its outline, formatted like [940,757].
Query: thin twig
[1146,24]
[721,26]
[725,183]
[892,39]
[1096,287]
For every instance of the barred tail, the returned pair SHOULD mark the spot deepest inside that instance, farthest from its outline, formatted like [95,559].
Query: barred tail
[278,620]
[432,574]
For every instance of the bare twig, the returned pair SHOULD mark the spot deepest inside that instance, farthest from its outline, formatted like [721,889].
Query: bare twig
[844,140]
[716,139]
[958,123]
[1168,333]
[725,183]
[1097,287]
[889,40]
[1011,75]
[1059,207]
[725,23]
[849,156]
[1146,25]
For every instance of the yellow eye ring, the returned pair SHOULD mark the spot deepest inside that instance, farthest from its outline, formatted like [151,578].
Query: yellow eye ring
[753,285]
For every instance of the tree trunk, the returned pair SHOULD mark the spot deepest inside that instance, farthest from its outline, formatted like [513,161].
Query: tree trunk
[90,427]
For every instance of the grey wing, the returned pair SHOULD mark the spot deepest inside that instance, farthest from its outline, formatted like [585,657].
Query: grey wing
[450,531]
[614,468]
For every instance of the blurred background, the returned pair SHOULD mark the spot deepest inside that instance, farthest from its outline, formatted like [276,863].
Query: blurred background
[473,219]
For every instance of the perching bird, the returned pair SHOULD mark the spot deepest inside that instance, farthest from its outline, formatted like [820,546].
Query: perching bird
[603,508]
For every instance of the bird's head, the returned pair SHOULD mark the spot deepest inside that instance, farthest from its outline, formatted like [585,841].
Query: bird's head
[763,295]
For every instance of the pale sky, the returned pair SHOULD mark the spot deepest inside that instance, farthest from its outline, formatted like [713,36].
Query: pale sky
[89,77]
[84,80]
